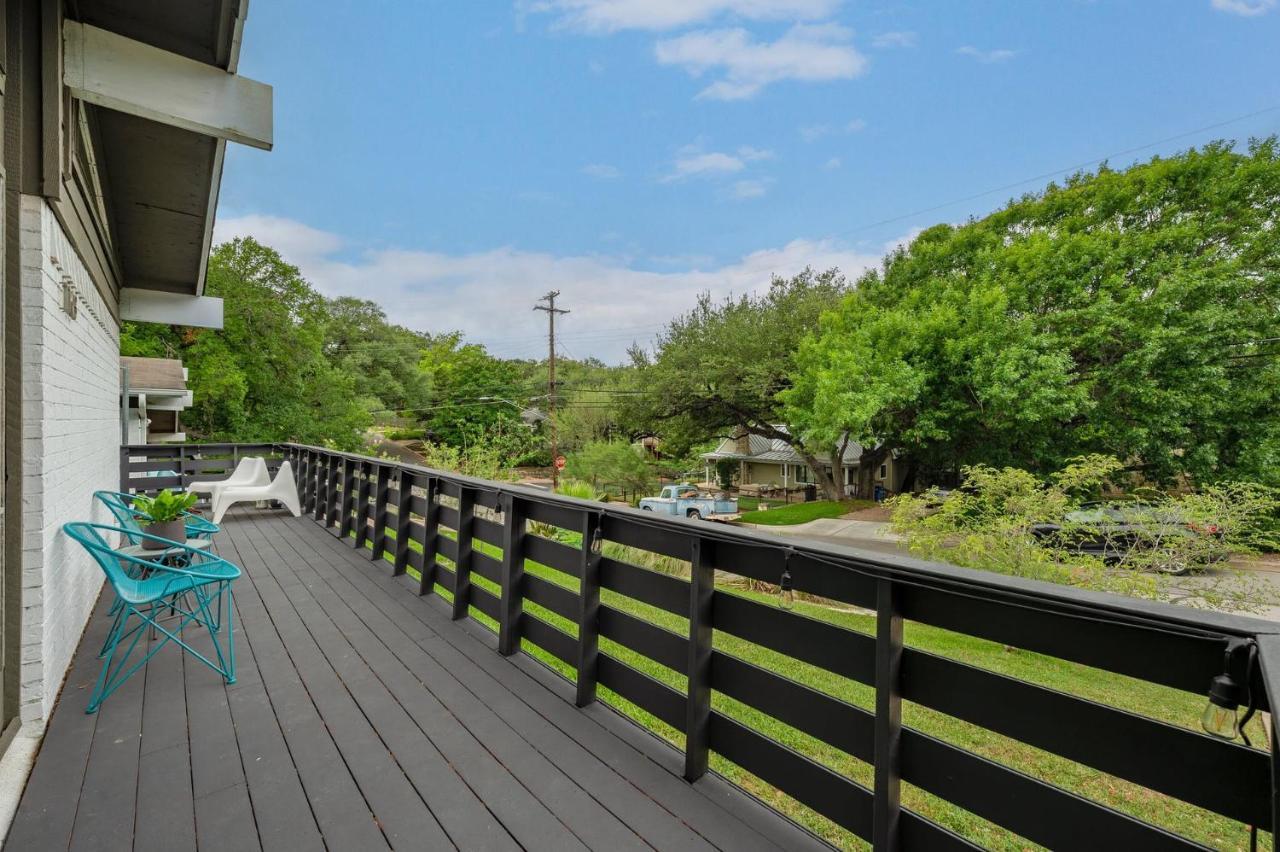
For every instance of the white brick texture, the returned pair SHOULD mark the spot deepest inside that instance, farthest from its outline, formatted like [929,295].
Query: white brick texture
[71,440]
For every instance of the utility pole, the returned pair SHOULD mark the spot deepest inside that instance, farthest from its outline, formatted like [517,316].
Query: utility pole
[552,310]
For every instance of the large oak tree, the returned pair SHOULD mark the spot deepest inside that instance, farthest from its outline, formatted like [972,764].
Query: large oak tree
[1132,313]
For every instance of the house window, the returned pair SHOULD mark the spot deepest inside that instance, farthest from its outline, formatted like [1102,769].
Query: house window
[884,472]
[802,473]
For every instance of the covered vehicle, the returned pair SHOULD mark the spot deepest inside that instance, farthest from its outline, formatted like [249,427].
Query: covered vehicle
[686,501]
[1117,532]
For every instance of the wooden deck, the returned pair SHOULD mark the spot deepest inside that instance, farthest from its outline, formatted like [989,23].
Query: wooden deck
[363,718]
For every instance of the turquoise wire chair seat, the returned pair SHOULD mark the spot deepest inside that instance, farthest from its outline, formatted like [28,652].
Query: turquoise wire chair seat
[127,515]
[191,588]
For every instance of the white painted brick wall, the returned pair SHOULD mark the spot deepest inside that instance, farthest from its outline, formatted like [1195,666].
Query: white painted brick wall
[71,439]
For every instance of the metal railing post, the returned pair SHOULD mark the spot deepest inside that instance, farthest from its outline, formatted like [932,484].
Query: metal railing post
[462,586]
[698,704]
[430,537]
[322,487]
[512,576]
[380,497]
[362,505]
[1269,666]
[887,808]
[333,508]
[402,523]
[588,657]
[348,497]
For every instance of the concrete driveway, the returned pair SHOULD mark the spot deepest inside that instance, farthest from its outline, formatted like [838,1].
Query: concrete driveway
[868,535]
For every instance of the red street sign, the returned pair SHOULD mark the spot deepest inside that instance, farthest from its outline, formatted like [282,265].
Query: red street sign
[559,462]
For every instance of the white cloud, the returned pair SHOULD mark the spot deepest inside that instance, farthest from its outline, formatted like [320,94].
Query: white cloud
[692,161]
[604,171]
[607,16]
[987,57]
[814,132]
[745,190]
[894,39]
[807,52]
[1246,8]
[488,295]
[832,164]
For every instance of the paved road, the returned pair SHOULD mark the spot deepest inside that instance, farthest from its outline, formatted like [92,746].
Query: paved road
[867,535]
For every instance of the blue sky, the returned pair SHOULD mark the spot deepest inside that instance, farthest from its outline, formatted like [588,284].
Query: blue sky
[454,160]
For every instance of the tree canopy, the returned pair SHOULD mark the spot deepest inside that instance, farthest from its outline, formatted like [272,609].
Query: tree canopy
[723,365]
[1124,313]
[264,376]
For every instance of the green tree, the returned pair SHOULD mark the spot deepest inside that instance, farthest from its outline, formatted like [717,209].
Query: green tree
[1123,313]
[382,359]
[723,365]
[264,375]
[473,395]
[610,466]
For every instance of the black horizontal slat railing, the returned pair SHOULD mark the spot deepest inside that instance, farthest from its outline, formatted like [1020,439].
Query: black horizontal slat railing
[474,539]
[148,468]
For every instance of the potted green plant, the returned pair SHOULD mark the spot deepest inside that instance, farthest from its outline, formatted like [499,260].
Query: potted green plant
[164,515]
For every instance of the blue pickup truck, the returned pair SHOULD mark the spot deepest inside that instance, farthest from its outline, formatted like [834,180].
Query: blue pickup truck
[685,501]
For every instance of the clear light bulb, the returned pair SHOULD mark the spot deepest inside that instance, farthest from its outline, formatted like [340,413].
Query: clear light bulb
[787,599]
[1220,721]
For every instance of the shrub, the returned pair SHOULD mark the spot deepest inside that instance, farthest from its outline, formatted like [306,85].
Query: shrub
[998,521]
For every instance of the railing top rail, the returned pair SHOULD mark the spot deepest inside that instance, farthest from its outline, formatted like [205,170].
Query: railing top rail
[987,585]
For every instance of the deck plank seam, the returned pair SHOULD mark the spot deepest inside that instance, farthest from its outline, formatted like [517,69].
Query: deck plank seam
[343,557]
[272,626]
[255,580]
[377,636]
[460,722]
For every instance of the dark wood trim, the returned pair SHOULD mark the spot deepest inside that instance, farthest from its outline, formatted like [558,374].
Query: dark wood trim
[887,810]
[462,587]
[512,583]
[698,700]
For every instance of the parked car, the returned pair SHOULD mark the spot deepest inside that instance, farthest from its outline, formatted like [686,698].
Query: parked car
[1113,531]
[685,501]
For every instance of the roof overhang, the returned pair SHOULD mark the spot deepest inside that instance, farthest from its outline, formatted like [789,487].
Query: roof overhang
[166,100]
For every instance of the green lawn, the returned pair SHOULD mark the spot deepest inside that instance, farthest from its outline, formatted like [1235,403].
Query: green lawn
[782,514]
[1158,702]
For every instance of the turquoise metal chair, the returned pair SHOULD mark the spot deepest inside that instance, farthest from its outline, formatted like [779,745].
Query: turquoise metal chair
[127,515]
[191,586]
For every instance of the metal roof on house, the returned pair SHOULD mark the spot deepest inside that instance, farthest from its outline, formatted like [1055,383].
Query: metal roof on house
[775,450]
[154,373]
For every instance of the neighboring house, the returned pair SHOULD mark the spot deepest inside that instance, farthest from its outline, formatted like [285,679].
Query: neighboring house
[116,117]
[157,395]
[773,462]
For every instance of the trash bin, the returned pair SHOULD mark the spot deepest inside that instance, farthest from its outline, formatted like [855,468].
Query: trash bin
[810,493]
[879,494]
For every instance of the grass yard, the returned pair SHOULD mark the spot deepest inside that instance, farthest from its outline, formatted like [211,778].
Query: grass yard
[1158,702]
[783,514]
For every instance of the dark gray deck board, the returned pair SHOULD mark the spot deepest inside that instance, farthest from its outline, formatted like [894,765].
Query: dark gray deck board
[165,818]
[726,817]
[549,756]
[558,792]
[363,717]
[523,814]
[50,800]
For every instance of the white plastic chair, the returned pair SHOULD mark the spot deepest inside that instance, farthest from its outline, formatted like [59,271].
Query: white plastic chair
[252,470]
[282,488]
